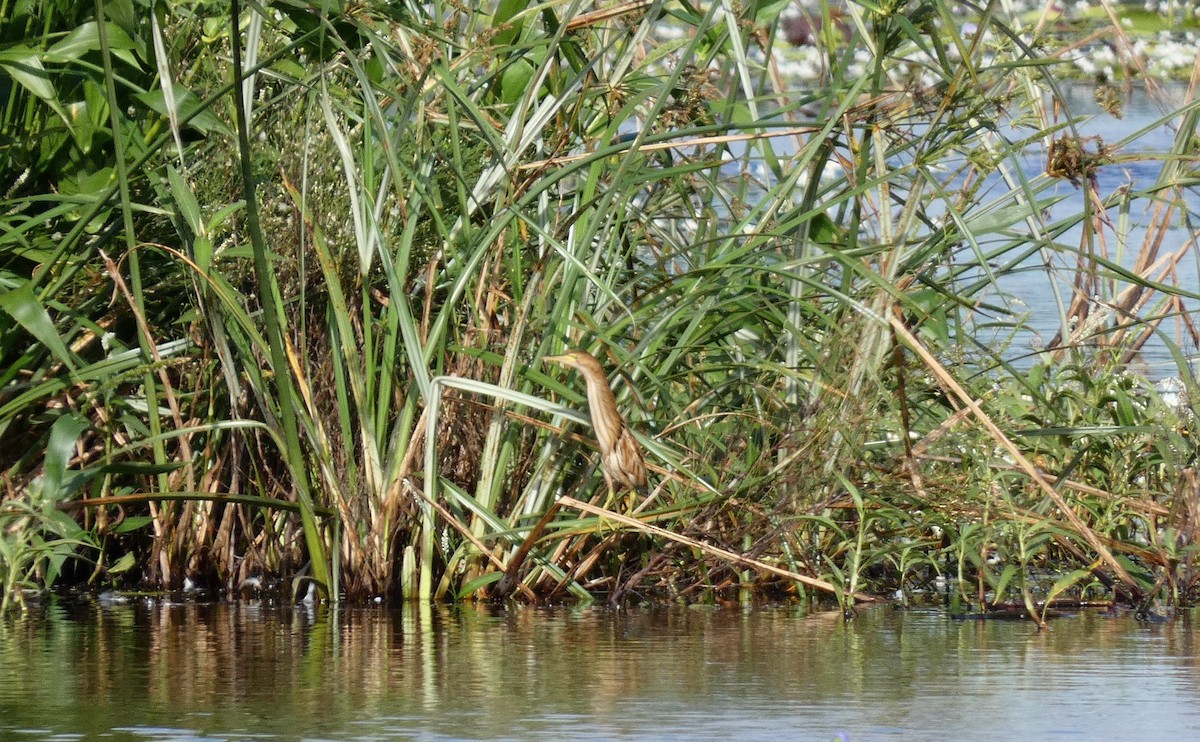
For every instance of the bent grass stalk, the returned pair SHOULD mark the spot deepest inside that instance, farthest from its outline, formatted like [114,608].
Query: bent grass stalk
[1022,462]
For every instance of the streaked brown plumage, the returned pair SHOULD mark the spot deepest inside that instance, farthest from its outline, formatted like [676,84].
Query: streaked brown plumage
[620,457]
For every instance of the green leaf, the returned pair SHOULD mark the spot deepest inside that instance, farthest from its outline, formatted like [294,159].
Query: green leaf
[505,10]
[86,38]
[515,80]
[1004,217]
[139,468]
[289,68]
[220,215]
[189,209]
[23,64]
[59,449]
[53,564]
[124,564]
[22,305]
[470,587]
[189,108]
[87,183]
[88,116]
[129,16]
[1006,576]
[59,523]
[741,116]
[822,229]
[132,523]
[1064,583]
[766,11]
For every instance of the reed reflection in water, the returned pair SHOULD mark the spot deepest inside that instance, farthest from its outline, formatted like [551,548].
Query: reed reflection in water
[232,671]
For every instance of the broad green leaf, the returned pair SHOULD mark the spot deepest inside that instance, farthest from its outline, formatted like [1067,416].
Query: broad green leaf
[88,183]
[474,585]
[766,11]
[202,249]
[23,64]
[822,229]
[56,556]
[132,523]
[1006,576]
[86,38]
[289,68]
[189,209]
[125,563]
[59,523]
[59,449]
[128,15]
[203,120]
[740,115]
[515,79]
[505,10]
[1064,583]
[220,215]
[22,305]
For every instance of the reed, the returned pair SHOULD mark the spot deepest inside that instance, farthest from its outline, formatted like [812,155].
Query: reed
[337,262]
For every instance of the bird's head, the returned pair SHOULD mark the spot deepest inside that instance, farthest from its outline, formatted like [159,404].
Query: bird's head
[576,358]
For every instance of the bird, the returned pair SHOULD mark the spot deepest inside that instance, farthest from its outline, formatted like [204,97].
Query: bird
[620,456]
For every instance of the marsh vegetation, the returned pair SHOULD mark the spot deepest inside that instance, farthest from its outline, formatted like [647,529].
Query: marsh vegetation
[274,303]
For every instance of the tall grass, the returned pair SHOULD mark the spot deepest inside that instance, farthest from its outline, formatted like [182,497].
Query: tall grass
[298,316]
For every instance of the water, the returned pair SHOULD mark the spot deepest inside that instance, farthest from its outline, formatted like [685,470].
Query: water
[152,670]
[1139,137]
[1138,133]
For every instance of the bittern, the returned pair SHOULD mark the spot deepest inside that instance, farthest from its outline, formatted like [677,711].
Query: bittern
[620,457]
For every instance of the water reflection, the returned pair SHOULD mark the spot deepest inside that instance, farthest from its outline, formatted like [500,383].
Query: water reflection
[235,671]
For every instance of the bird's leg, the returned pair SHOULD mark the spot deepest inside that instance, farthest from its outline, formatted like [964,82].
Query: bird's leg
[611,499]
[612,492]
[621,500]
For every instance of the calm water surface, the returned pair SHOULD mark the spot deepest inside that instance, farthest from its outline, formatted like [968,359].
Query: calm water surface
[241,671]
[1030,289]
[1138,133]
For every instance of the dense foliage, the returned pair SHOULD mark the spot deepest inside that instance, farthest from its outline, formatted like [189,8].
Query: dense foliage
[274,302]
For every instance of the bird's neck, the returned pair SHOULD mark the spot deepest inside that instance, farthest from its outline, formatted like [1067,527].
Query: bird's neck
[601,402]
